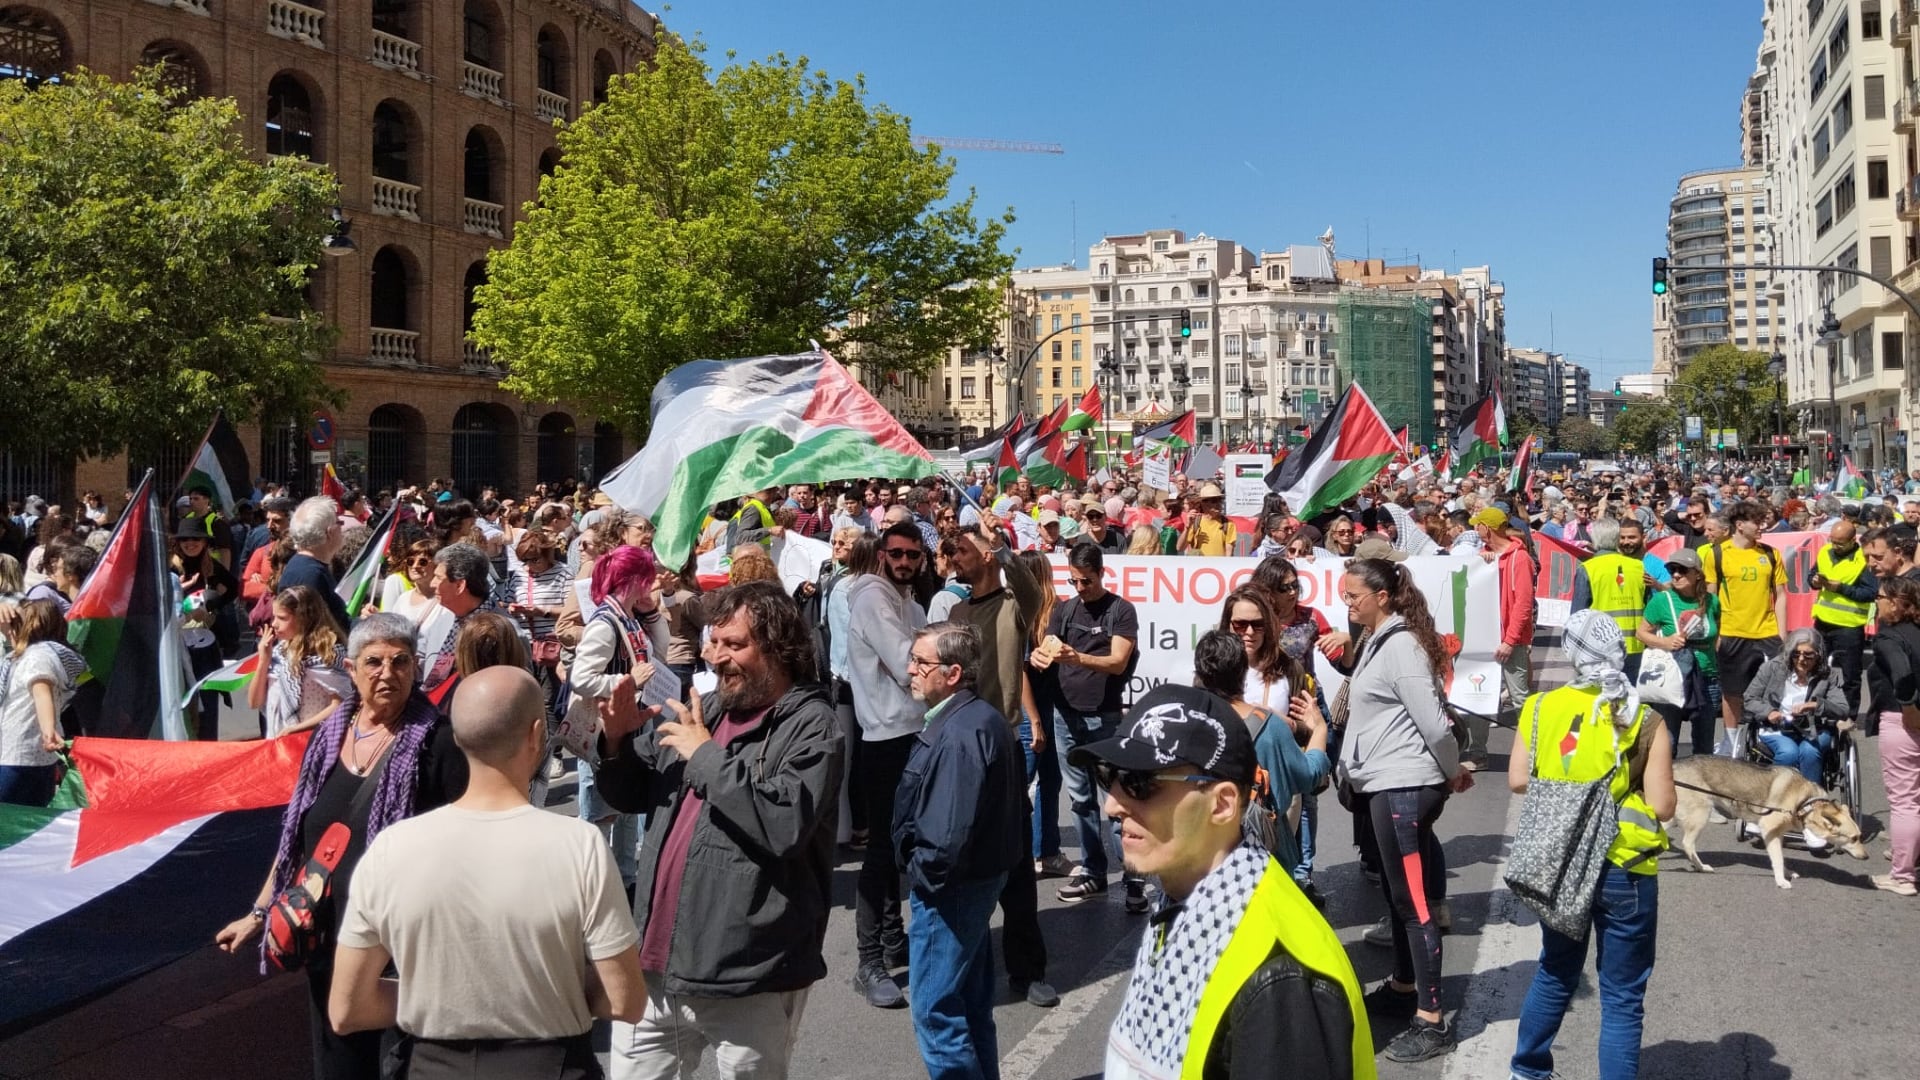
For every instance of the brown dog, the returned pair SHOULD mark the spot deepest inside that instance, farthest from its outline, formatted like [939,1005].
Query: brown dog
[1775,800]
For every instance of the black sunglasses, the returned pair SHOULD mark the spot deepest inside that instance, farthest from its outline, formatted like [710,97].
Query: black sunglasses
[909,554]
[1139,784]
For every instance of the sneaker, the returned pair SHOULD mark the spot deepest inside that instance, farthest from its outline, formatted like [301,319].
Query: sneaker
[1889,883]
[1421,1041]
[1038,993]
[1054,865]
[1444,916]
[1314,896]
[1136,896]
[1081,886]
[1385,1001]
[1813,843]
[1380,933]
[875,984]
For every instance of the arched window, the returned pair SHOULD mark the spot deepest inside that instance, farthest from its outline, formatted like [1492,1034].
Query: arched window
[1127,296]
[291,120]
[179,68]
[389,303]
[549,160]
[394,450]
[482,447]
[609,449]
[472,355]
[482,174]
[393,142]
[33,45]
[480,29]
[1175,295]
[392,17]
[556,454]
[604,70]
[551,61]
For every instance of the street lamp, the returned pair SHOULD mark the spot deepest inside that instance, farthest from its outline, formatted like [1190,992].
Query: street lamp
[1180,385]
[337,241]
[1253,412]
[1281,426]
[1110,376]
[1777,367]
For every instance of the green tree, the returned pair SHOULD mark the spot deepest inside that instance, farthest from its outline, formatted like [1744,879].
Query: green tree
[1520,424]
[142,251]
[1646,429]
[701,214]
[1579,435]
[1728,387]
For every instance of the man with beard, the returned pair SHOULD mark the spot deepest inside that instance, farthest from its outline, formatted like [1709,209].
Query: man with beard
[756,796]
[881,621]
[1845,589]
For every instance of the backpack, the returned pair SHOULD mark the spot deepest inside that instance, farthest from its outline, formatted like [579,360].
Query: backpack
[1133,658]
[1720,573]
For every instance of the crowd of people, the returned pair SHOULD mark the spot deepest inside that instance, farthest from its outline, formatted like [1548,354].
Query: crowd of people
[922,700]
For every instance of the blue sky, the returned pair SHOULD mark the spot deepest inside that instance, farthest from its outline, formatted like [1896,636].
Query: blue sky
[1544,139]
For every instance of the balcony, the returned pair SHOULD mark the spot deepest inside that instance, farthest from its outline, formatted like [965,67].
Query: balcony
[395,52]
[485,218]
[1155,330]
[1900,26]
[297,22]
[549,106]
[198,7]
[1257,327]
[483,82]
[395,199]
[400,347]
[1700,225]
[1906,201]
[475,358]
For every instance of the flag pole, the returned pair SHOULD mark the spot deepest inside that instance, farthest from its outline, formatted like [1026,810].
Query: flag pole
[195,456]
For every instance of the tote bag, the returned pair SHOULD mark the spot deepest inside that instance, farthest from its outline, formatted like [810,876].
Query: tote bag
[1560,845]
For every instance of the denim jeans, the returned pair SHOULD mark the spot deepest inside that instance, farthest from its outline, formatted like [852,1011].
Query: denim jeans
[1791,751]
[1043,770]
[1071,729]
[1626,922]
[951,972]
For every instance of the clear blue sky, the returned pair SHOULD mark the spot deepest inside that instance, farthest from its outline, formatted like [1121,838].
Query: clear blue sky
[1544,139]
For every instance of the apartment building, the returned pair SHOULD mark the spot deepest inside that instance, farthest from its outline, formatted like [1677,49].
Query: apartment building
[1060,300]
[1834,81]
[1717,232]
[440,121]
[1140,284]
[970,389]
[1278,359]
[1532,381]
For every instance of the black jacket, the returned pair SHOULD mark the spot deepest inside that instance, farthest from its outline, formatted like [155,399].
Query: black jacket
[956,814]
[1284,1013]
[757,884]
[1894,675]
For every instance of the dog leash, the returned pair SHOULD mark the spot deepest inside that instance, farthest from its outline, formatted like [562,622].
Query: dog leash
[1800,811]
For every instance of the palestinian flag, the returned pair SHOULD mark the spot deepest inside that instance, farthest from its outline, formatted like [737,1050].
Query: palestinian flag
[723,428]
[1177,433]
[231,678]
[1007,464]
[122,622]
[331,487]
[219,466]
[987,450]
[1443,465]
[1059,462]
[1482,432]
[139,861]
[1087,413]
[1522,465]
[1848,481]
[361,583]
[1054,421]
[1348,451]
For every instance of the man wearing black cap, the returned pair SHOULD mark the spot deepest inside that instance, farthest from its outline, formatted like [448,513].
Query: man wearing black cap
[1237,966]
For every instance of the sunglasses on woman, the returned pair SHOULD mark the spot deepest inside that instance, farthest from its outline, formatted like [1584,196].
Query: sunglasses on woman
[1138,784]
[1246,626]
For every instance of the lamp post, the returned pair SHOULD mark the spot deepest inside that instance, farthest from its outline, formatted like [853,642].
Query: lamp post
[1110,377]
[1180,385]
[1777,367]
[1281,427]
[1253,412]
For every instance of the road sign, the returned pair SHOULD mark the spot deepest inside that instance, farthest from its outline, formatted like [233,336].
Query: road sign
[320,457]
[320,431]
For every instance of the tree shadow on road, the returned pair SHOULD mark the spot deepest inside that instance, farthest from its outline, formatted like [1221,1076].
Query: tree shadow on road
[1737,1055]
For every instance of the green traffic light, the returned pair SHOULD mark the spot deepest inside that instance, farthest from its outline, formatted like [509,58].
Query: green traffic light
[1659,288]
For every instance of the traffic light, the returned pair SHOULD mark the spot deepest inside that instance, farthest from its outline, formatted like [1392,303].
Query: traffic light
[1660,276]
[1616,388]
[1186,323]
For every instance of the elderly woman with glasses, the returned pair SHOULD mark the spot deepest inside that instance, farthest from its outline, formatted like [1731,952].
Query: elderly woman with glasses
[1796,700]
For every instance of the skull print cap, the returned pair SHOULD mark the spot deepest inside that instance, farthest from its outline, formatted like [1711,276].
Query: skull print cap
[1171,726]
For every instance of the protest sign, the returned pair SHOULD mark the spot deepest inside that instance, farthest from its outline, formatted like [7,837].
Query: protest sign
[1179,599]
[1157,472]
[1559,563]
[1246,476]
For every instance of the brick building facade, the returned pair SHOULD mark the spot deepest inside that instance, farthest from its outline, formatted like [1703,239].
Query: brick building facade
[439,119]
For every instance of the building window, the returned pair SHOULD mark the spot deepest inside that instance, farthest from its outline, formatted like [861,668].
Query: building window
[1201,290]
[1232,375]
[967,384]
[1159,245]
[290,119]
[1153,295]
[1843,116]
[179,68]
[33,47]
[1077,372]
[1103,296]
[551,62]
[1823,215]
[1103,273]
[1822,145]
[1076,351]
[478,27]
[1056,324]
[1056,378]
[1056,401]
[1870,20]
[1876,178]
[1893,354]
[1076,323]
[392,143]
[1232,345]
[1127,296]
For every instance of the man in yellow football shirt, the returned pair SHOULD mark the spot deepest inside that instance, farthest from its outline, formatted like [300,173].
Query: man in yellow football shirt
[1751,581]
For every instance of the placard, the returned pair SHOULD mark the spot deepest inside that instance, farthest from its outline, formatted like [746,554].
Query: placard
[1246,484]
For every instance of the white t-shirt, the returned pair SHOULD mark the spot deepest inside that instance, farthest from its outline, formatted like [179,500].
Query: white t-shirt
[491,919]
[1275,696]
[19,722]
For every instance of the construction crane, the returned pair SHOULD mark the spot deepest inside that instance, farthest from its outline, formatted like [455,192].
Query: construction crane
[1002,146]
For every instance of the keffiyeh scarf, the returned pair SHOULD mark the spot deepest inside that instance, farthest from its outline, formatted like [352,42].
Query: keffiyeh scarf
[1597,649]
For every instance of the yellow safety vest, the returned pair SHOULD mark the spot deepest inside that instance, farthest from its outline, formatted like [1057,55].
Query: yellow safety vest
[1619,586]
[1279,911]
[1831,606]
[1572,747]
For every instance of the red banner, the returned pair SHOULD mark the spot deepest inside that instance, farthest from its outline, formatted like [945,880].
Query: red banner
[1559,562]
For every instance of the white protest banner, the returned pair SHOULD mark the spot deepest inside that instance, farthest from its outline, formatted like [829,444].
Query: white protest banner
[1157,471]
[1246,483]
[799,558]
[1178,599]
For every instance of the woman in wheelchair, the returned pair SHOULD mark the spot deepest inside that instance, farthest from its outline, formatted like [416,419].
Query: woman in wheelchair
[1795,702]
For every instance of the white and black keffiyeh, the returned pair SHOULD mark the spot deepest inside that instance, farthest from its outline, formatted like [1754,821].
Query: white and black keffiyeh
[1597,648]
[1149,1037]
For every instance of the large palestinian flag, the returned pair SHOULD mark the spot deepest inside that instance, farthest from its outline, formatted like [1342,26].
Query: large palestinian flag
[1482,432]
[360,584]
[1177,433]
[1087,413]
[1347,451]
[724,428]
[1848,481]
[219,466]
[986,451]
[148,850]
[122,622]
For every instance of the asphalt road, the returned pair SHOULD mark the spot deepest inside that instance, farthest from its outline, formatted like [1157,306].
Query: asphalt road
[1752,982]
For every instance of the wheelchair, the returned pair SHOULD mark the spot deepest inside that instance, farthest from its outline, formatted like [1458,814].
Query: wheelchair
[1839,763]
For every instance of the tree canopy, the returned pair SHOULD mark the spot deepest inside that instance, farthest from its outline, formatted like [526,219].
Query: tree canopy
[1727,387]
[1582,436]
[142,251]
[1646,428]
[711,215]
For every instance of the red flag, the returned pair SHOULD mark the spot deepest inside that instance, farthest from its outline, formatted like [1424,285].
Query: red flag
[1007,469]
[1054,421]
[330,485]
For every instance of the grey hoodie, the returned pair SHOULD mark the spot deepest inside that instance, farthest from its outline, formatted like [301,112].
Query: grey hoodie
[881,621]
[1398,734]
